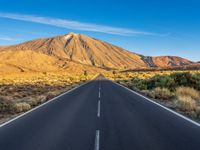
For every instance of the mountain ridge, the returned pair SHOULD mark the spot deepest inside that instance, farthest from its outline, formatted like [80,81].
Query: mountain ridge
[83,50]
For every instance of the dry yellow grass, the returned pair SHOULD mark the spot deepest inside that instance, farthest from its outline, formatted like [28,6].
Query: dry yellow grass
[164,89]
[159,93]
[162,93]
[23,91]
[186,103]
[42,78]
[21,107]
[188,92]
[141,75]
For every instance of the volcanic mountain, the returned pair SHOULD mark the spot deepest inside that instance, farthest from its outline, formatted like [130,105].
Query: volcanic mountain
[76,50]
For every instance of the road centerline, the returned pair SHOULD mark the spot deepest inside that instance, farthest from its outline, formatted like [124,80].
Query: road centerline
[99,94]
[97,140]
[99,109]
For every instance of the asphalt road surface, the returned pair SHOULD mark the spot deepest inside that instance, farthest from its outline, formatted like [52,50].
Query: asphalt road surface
[100,115]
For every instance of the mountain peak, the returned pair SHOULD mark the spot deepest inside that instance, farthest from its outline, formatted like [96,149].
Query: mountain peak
[81,49]
[69,35]
[72,33]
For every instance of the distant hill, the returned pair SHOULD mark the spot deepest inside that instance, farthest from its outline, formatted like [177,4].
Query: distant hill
[167,61]
[77,50]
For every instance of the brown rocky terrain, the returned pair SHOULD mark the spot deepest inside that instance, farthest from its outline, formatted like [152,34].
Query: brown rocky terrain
[167,61]
[79,52]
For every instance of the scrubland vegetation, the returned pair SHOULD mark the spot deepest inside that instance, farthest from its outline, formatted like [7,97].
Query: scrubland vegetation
[19,92]
[179,90]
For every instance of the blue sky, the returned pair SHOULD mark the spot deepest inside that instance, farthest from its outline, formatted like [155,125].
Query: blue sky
[156,27]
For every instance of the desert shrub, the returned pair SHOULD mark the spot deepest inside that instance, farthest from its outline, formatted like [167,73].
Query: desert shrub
[181,79]
[169,81]
[20,92]
[33,103]
[21,107]
[123,82]
[5,106]
[114,72]
[188,91]
[181,88]
[163,81]
[186,103]
[163,93]
[197,111]
[195,81]
[36,100]
[52,94]
[140,84]
[149,93]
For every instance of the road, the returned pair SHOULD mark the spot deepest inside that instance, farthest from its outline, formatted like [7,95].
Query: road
[100,115]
